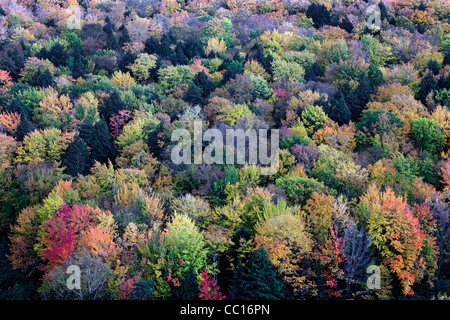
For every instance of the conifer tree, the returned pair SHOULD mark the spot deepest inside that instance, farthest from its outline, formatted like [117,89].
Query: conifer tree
[427,85]
[76,158]
[375,75]
[337,110]
[111,106]
[98,138]
[193,95]
[205,84]
[78,69]
[188,289]
[258,279]
[151,45]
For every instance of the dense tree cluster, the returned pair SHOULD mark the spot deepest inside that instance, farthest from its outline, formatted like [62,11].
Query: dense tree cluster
[86,176]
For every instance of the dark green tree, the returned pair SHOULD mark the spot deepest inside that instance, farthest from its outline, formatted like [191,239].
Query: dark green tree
[25,127]
[337,110]
[194,49]
[179,58]
[151,45]
[258,279]
[188,289]
[427,85]
[78,68]
[375,75]
[314,71]
[99,140]
[124,36]
[205,84]
[111,106]
[58,55]
[319,14]
[127,59]
[346,24]
[42,79]
[164,50]
[193,95]
[76,158]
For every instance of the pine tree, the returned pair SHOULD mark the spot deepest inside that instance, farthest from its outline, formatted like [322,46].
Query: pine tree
[362,94]
[58,55]
[151,45]
[314,71]
[112,105]
[124,36]
[351,100]
[42,79]
[127,59]
[193,95]
[194,49]
[258,279]
[346,24]
[427,85]
[25,127]
[338,110]
[164,49]
[205,84]
[78,69]
[375,75]
[188,289]
[433,66]
[179,58]
[99,140]
[319,14]
[76,158]
[111,41]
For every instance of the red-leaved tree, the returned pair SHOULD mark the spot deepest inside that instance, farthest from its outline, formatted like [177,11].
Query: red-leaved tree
[209,290]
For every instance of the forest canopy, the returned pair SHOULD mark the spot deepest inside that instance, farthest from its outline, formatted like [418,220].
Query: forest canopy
[92,91]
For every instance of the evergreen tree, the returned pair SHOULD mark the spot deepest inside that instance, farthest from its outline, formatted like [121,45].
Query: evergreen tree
[78,69]
[314,71]
[111,106]
[111,41]
[16,105]
[58,55]
[205,84]
[12,61]
[338,110]
[99,140]
[319,14]
[124,36]
[127,59]
[375,75]
[346,24]
[193,95]
[151,45]
[194,49]
[258,279]
[179,58]
[164,49]
[427,85]
[433,66]
[76,158]
[42,79]
[383,11]
[25,127]
[363,91]
[188,289]
[351,100]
